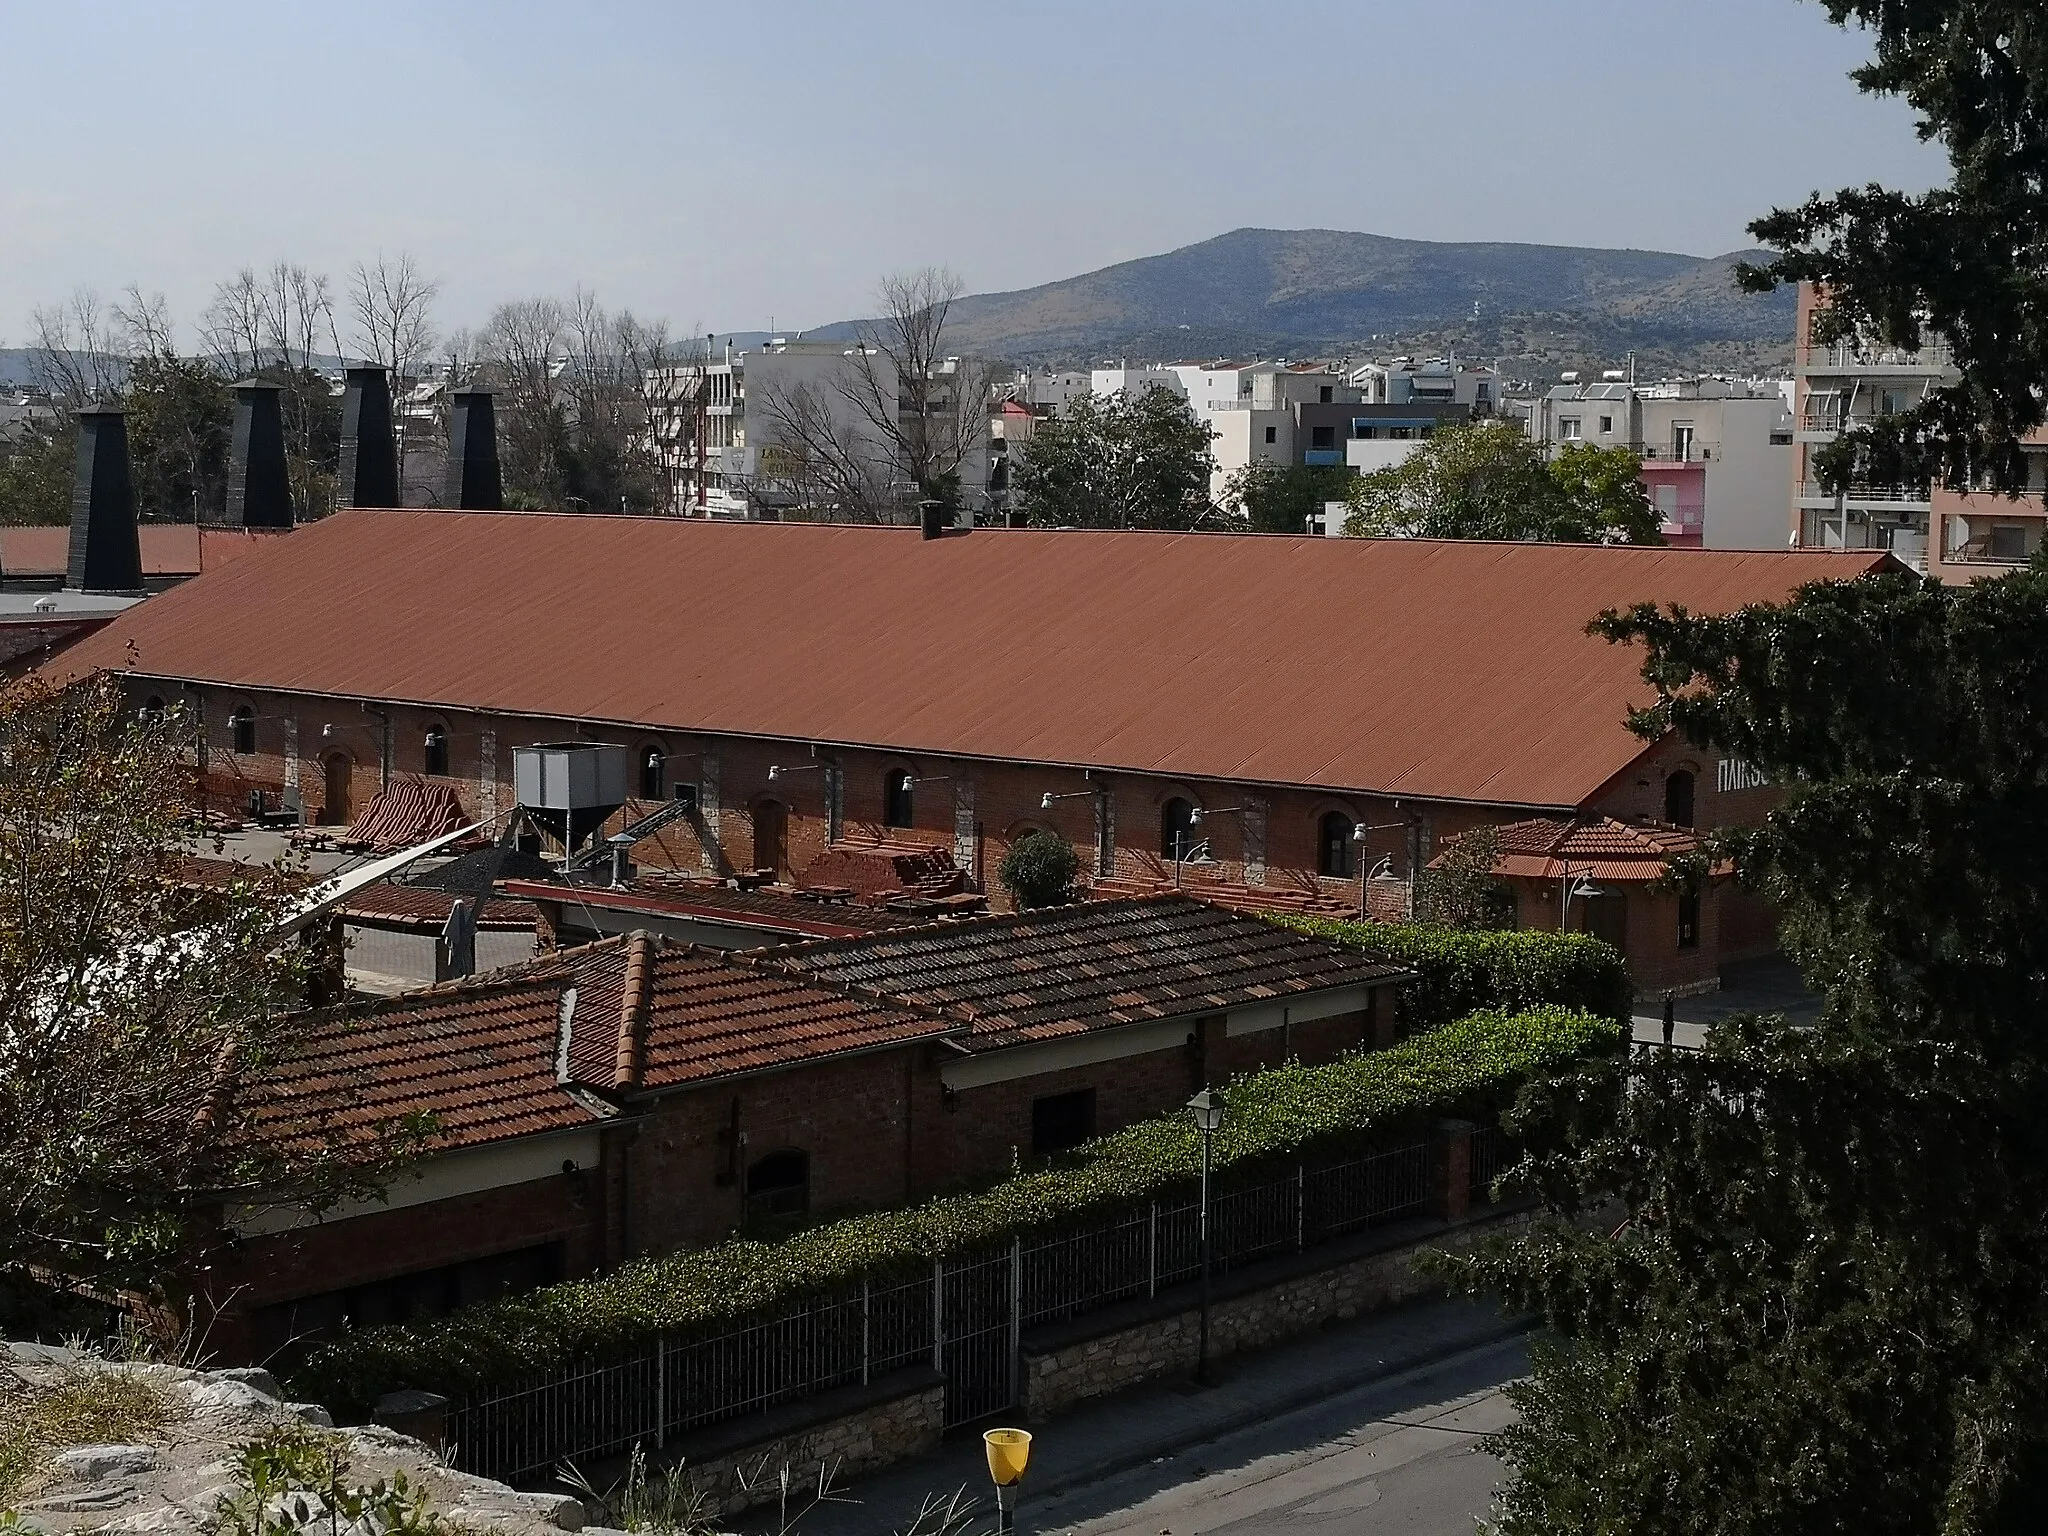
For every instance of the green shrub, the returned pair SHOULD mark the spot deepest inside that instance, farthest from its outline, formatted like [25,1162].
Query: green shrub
[1471,1067]
[1464,970]
[1039,870]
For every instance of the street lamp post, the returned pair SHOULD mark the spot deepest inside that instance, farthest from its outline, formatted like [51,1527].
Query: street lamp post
[1207,1109]
[1577,883]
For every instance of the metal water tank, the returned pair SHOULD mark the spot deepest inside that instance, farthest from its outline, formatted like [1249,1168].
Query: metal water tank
[570,787]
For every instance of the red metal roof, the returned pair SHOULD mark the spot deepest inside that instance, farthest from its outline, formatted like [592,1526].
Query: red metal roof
[1449,670]
[168,549]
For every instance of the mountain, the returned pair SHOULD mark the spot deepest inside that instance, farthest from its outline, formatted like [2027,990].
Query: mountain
[1297,292]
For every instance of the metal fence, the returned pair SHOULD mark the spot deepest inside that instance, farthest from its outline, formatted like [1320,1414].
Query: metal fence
[964,1318]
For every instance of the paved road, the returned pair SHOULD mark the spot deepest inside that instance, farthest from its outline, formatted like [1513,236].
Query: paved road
[1403,1456]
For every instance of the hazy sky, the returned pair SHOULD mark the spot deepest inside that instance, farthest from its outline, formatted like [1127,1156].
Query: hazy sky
[725,164]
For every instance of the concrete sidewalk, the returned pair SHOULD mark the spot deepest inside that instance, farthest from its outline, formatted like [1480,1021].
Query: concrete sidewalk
[1150,1422]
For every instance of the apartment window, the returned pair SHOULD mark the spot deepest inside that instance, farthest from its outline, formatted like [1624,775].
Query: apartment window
[2008,541]
[1272,434]
[1681,441]
[898,795]
[1322,437]
[1325,395]
[1606,425]
[242,729]
[1333,846]
[436,754]
[779,1185]
[652,762]
[1568,429]
[1062,1120]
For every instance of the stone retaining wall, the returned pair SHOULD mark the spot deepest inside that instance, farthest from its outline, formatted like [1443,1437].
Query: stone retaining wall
[739,1465]
[1109,1351]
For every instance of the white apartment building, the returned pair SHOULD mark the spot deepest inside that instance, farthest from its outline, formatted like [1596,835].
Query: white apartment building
[725,453]
[1839,386]
[1436,381]
[1715,451]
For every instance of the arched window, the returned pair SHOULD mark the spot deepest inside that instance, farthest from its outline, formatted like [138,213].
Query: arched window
[1177,828]
[779,1185]
[242,729]
[436,755]
[153,708]
[1333,845]
[898,793]
[1678,798]
[653,764]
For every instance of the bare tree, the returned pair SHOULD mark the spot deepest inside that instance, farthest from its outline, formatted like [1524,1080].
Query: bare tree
[234,324]
[79,358]
[391,309]
[826,464]
[144,320]
[576,402]
[924,410]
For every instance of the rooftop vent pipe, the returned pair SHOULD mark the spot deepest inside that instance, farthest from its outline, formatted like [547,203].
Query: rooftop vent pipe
[473,483]
[369,453]
[259,490]
[106,551]
[934,518]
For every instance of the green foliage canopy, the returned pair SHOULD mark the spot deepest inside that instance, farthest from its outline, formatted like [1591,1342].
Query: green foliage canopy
[1822,1305]
[1963,261]
[1039,869]
[1458,971]
[1273,497]
[1488,480]
[1121,460]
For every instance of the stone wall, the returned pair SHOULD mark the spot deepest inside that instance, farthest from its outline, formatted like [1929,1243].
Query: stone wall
[1109,1351]
[739,1465]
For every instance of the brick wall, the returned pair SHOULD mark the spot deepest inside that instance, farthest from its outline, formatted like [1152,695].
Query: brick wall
[861,1120]
[263,1271]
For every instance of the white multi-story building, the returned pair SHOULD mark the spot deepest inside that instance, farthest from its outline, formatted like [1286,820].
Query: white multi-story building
[1715,451]
[726,443]
[1436,381]
[1837,387]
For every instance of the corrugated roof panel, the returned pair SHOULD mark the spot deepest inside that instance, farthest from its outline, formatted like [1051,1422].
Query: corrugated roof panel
[1438,669]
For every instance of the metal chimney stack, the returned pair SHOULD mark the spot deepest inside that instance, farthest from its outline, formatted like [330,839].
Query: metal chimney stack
[369,451]
[259,489]
[106,550]
[473,483]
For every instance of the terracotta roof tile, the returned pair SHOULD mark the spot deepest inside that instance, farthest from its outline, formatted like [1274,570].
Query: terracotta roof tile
[1542,848]
[1453,670]
[1094,965]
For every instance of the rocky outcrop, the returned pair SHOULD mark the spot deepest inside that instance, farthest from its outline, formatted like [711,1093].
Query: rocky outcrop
[172,1484]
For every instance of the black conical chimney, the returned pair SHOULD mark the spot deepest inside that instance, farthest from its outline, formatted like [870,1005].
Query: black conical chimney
[473,482]
[106,551]
[369,453]
[259,489]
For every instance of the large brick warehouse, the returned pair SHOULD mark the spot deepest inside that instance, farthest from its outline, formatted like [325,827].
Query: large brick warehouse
[1303,715]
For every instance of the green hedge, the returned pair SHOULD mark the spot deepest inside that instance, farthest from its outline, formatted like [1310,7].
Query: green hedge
[1472,1066]
[1463,970]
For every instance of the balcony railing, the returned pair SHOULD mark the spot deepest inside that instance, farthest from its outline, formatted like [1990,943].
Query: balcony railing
[1813,490]
[1665,453]
[1843,358]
